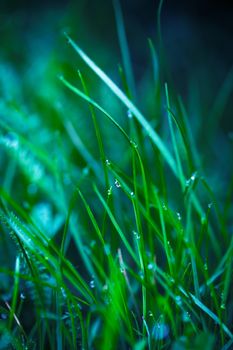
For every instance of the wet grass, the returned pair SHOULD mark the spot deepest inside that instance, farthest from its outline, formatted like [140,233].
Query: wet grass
[113,233]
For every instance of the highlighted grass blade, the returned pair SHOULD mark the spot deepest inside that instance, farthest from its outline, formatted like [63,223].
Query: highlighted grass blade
[206,310]
[124,99]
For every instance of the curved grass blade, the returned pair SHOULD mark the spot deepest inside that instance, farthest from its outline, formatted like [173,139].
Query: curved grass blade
[154,63]
[93,103]
[15,292]
[130,105]
[97,131]
[174,142]
[82,149]
[124,47]
[117,227]
[207,311]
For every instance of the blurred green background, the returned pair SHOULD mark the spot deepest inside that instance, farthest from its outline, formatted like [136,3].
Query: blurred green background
[197,39]
[197,43]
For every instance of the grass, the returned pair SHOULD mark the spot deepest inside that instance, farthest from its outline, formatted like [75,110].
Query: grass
[113,234]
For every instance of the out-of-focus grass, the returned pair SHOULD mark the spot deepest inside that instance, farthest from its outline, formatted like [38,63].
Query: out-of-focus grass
[115,222]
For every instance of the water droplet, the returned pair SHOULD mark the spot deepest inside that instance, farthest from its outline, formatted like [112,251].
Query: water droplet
[129,114]
[117,184]
[134,144]
[178,300]
[150,266]
[36,171]
[110,191]
[122,268]
[164,207]
[107,162]
[205,267]
[85,171]
[22,296]
[186,317]
[105,287]
[107,249]
[160,331]
[141,275]
[92,284]
[132,194]
[178,216]
[171,279]
[210,205]
[223,306]
[150,314]
[192,179]
[63,293]
[93,243]
[11,141]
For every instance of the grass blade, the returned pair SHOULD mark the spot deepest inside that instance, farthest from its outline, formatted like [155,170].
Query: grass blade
[125,100]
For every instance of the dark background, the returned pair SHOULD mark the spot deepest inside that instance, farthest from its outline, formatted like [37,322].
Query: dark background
[197,37]
[194,32]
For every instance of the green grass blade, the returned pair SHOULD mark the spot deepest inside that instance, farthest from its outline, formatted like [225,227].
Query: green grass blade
[214,317]
[117,227]
[93,103]
[124,47]
[15,292]
[174,142]
[124,99]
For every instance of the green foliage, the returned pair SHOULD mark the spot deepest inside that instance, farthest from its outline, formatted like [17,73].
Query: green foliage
[113,234]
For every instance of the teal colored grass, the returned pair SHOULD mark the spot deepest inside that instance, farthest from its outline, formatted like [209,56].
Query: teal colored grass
[114,233]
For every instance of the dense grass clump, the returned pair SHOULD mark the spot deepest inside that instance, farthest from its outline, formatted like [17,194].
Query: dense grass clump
[115,223]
